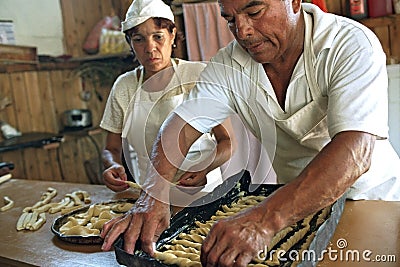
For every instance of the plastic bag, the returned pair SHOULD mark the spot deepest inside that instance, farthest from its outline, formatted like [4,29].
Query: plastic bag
[91,45]
[112,42]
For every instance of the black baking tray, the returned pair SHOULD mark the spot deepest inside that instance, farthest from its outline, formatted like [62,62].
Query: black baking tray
[229,190]
[77,239]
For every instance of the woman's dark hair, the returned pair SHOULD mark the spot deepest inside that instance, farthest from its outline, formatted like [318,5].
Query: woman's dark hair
[162,23]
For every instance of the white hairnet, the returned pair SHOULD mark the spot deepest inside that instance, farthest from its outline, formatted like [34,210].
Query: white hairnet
[141,10]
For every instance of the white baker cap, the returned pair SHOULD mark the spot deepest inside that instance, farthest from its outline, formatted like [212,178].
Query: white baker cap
[141,10]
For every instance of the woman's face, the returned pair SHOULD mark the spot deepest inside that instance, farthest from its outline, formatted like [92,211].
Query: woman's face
[152,46]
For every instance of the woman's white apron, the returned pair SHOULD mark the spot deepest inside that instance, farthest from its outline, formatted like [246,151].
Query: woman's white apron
[147,112]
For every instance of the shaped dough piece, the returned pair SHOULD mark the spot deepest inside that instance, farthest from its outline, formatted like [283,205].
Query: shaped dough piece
[133,185]
[81,231]
[122,207]
[8,204]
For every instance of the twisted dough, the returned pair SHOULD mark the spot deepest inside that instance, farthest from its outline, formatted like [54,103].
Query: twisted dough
[185,248]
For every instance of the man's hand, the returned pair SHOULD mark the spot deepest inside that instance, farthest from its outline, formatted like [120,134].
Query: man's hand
[145,222]
[114,178]
[236,240]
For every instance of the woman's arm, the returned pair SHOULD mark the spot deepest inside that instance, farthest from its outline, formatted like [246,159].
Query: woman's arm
[226,145]
[114,176]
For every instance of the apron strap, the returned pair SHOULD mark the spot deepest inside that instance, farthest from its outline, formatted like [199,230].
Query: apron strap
[309,57]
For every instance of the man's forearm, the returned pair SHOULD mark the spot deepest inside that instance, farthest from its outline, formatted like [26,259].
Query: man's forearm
[322,182]
[171,147]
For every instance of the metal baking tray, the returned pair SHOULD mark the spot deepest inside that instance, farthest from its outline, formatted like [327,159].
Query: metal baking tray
[77,239]
[230,189]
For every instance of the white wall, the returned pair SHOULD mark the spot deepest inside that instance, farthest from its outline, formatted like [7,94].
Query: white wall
[36,23]
[394,106]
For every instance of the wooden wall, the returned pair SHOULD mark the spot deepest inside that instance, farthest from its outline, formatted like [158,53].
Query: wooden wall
[38,99]
[79,18]
[40,94]
[386,28]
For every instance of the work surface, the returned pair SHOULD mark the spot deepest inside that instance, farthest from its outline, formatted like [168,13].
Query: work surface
[365,226]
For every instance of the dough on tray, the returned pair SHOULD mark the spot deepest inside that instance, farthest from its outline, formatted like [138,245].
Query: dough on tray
[184,250]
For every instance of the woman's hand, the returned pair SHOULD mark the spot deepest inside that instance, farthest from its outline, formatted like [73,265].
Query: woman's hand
[145,222]
[193,178]
[114,178]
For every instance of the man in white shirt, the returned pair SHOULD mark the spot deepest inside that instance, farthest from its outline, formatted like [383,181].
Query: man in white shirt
[312,87]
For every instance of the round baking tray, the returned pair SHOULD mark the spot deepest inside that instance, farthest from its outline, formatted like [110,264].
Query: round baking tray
[77,239]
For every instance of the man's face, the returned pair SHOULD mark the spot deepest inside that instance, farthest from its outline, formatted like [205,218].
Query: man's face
[265,28]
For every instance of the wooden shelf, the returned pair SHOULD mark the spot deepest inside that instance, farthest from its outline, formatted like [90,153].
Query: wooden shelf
[53,63]
[387,29]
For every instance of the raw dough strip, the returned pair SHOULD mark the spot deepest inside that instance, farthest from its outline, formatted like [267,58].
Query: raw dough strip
[44,199]
[306,221]
[208,224]
[183,254]
[294,239]
[286,246]
[45,207]
[81,231]
[91,221]
[181,248]
[37,224]
[222,213]
[303,247]
[192,237]
[122,207]
[323,215]
[83,196]
[21,220]
[33,219]
[133,185]
[9,203]
[279,236]
[66,210]
[197,235]
[201,231]
[235,209]
[169,258]
[63,203]
[186,243]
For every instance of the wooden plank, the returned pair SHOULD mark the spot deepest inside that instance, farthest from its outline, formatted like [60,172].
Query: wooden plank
[47,168]
[334,6]
[70,27]
[17,158]
[7,114]
[20,96]
[18,53]
[106,8]
[60,95]
[383,34]
[377,22]
[86,151]
[31,163]
[48,102]
[34,102]
[55,165]
[69,160]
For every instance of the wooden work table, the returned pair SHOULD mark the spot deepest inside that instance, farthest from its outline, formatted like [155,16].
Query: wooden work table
[365,225]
